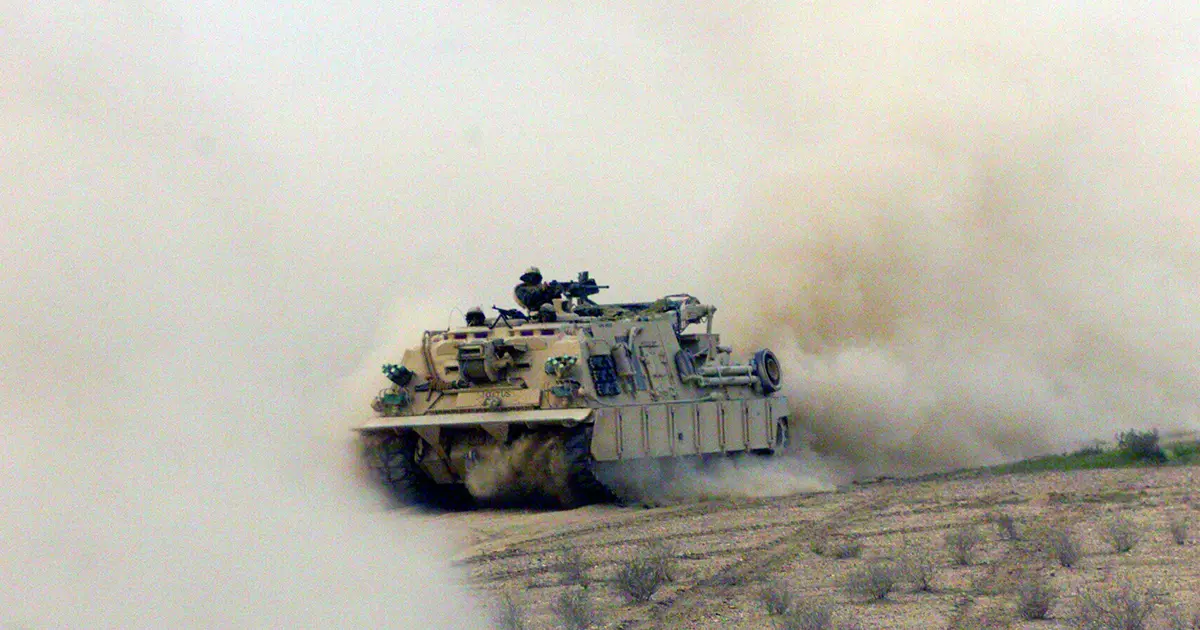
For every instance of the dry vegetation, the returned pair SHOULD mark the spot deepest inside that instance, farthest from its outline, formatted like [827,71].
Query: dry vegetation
[777,598]
[918,568]
[896,554]
[1006,525]
[1179,529]
[510,615]
[646,570]
[574,609]
[1122,608]
[1064,546]
[961,543]
[1179,618]
[874,580]
[1123,534]
[1035,597]
[572,567]
[837,549]
[806,616]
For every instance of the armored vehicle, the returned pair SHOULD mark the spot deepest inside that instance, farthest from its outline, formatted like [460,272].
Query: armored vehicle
[531,405]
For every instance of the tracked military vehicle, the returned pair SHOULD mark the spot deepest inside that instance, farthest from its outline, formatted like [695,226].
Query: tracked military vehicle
[531,405]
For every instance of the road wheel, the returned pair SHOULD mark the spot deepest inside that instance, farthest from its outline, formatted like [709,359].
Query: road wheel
[407,483]
[583,488]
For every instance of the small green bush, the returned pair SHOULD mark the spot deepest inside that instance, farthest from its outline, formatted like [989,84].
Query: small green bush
[640,577]
[1180,619]
[838,550]
[1185,453]
[776,597]
[1006,525]
[844,550]
[1122,608]
[961,542]
[572,567]
[510,615]
[1064,546]
[1142,445]
[874,580]
[574,609]
[917,568]
[806,616]
[1179,529]
[1123,534]
[1035,597]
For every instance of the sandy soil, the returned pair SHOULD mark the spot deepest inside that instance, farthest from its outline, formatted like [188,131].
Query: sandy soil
[726,552]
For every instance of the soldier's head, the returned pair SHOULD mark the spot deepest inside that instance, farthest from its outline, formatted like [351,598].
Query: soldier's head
[532,275]
[475,316]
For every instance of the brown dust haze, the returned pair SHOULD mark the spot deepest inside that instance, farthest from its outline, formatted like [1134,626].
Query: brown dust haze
[969,231]
[978,238]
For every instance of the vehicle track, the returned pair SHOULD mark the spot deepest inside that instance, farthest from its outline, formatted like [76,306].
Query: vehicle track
[687,605]
[742,542]
[727,551]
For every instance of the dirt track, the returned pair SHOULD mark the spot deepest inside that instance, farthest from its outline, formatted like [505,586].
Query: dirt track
[727,551]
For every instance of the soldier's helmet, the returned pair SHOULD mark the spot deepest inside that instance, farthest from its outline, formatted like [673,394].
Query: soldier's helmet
[475,316]
[532,274]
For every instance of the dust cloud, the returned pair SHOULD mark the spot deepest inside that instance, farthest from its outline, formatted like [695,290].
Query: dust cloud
[975,237]
[531,469]
[185,284]
[666,482]
[968,229]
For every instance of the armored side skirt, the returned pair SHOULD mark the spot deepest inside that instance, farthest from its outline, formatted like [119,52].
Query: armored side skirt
[688,428]
[637,431]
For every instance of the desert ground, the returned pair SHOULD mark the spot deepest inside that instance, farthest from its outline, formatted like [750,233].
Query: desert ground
[725,554]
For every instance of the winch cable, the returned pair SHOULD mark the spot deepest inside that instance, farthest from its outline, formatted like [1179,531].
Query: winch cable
[427,354]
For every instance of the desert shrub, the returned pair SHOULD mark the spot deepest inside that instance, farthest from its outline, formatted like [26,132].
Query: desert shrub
[1141,445]
[1122,534]
[873,580]
[510,615]
[776,597]
[961,542]
[1123,608]
[1064,546]
[1179,530]
[917,568]
[574,609]
[1180,619]
[1035,597]
[572,566]
[1006,525]
[844,549]
[838,550]
[805,616]
[640,577]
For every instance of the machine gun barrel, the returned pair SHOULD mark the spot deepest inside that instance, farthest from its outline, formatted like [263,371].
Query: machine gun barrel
[580,288]
[507,314]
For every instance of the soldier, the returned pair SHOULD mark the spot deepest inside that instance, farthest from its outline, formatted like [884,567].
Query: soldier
[475,316]
[532,293]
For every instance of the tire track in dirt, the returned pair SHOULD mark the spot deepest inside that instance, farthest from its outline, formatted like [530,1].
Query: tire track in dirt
[518,546]
[683,607]
[553,545]
[689,556]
